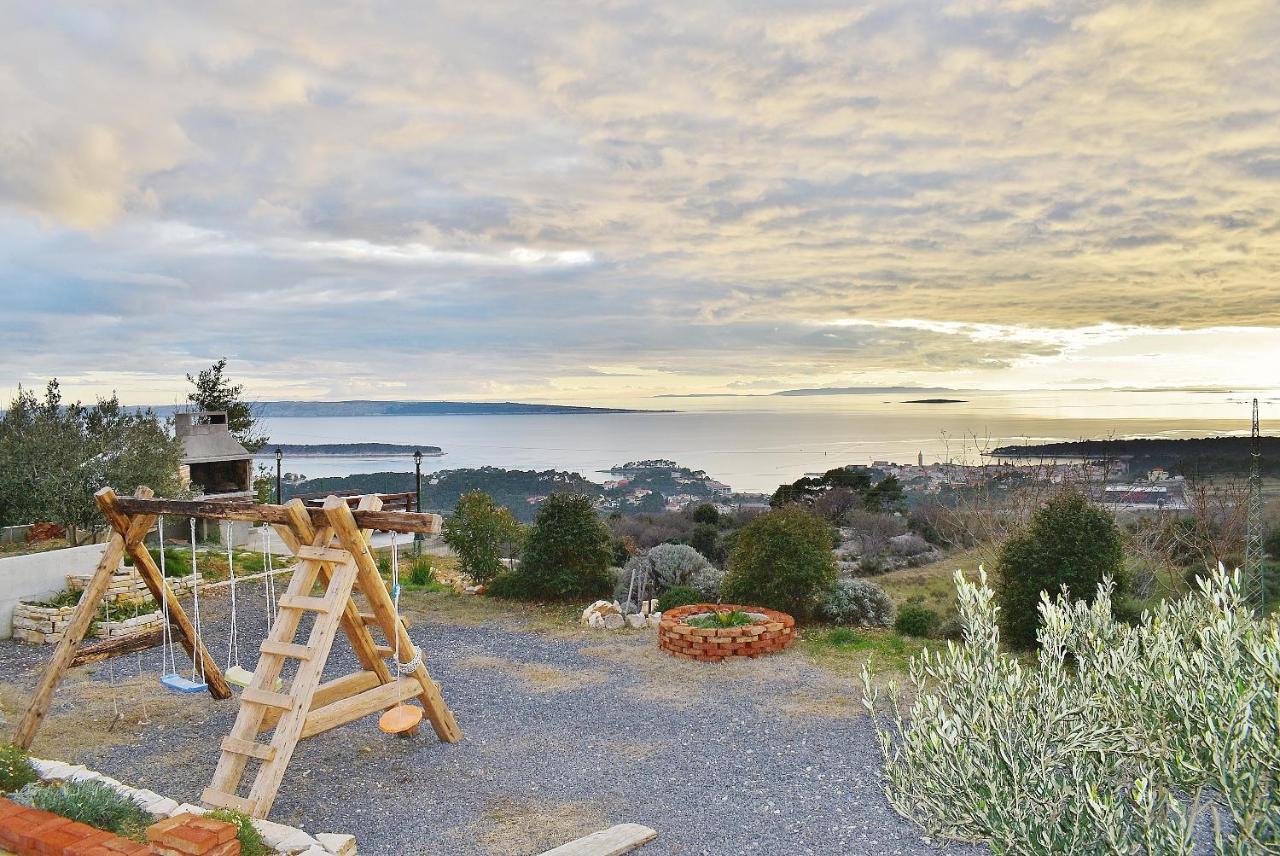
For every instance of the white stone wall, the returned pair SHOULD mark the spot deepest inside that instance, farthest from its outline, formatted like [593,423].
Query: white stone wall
[37,576]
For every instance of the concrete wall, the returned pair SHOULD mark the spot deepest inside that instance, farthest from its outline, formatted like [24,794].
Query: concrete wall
[38,575]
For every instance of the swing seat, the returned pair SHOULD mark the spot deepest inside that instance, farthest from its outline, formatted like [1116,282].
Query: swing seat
[241,677]
[183,686]
[402,719]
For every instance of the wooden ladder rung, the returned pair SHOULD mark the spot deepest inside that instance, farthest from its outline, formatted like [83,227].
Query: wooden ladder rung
[285,649]
[248,748]
[310,604]
[372,620]
[324,554]
[384,650]
[253,695]
[221,800]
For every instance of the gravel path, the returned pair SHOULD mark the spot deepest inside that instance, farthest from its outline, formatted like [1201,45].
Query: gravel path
[567,732]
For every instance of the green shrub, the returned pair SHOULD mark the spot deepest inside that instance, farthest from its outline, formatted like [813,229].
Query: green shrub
[678,596]
[719,619]
[1070,542]
[251,843]
[707,514]
[782,560]
[16,771]
[510,585]
[915,620]
[567,553]
[421,571]
[1116,739]
[479,532]
[858,603]
[94,803]
[655,571]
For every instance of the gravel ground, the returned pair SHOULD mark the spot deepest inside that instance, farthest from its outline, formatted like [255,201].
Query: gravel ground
[567,732]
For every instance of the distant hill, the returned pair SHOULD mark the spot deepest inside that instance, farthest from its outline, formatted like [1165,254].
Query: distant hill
[363,407]
[855,390]
[366,450]
[1205,456]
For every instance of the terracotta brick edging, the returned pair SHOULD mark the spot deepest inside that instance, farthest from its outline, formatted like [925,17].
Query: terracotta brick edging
[713,644]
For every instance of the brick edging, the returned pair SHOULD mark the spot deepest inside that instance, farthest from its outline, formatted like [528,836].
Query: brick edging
[713,644]
[34,832]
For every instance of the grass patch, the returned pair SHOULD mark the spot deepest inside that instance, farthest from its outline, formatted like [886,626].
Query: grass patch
[931,585]
[845,650]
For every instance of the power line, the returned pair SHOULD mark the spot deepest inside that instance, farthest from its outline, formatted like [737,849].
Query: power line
[1255,581]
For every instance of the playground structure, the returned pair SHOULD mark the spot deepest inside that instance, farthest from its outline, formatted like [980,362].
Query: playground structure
[284,695]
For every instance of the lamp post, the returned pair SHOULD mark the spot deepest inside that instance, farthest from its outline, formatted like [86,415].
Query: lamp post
[279,477]
[417,505]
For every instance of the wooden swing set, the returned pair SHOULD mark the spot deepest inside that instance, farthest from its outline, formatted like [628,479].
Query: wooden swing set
[331,544]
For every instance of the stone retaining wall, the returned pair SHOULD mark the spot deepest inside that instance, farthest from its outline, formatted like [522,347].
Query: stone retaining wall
[713,644]
[45,625]
[127,586]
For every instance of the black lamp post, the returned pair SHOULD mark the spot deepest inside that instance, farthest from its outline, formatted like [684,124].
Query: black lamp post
[417,506]
[279,477]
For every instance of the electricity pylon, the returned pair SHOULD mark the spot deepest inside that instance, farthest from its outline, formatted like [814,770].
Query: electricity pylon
[1255,580]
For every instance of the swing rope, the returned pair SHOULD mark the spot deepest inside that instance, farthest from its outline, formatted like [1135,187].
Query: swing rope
[416,663]
[195,608]
[233,638]
[269,581]
[168,661]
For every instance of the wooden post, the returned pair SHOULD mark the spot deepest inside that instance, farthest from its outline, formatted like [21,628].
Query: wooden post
[80,622]
[345,528]
[159,588]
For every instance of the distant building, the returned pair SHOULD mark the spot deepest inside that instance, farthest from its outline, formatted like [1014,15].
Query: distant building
[213,461]
[717,488]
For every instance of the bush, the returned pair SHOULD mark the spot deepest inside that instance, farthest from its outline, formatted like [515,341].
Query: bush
[678,596]
[16,771]
[251,843]
[708,581]
[782,560]
[510,585]
[94,803]
[1070,542]
[915,620]
[567,554]
[858,603]
[704,538]
[706,514]
[659,569]
[479,532]
[1075,753]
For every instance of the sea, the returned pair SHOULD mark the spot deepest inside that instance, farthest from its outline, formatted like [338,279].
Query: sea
[755,443]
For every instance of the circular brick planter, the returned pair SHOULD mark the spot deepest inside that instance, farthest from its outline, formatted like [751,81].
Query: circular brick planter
[711,645]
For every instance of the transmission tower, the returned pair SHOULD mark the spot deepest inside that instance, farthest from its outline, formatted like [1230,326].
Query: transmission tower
[1255,581]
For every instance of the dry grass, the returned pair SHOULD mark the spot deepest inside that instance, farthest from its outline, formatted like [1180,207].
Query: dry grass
[538,677]
[930,585]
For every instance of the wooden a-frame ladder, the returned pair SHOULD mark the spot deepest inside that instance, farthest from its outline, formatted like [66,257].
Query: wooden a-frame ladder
[334,554]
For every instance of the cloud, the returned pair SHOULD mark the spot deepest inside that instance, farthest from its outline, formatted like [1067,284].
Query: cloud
[708,193]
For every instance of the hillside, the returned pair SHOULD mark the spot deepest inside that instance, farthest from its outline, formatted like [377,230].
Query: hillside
[1206,456]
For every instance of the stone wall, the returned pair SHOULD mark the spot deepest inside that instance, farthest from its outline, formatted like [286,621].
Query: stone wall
[36,576]
[127,587]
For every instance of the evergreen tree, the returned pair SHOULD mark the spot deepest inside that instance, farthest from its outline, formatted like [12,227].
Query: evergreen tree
[481,532]
[568,551]
[782,560]
[214,391]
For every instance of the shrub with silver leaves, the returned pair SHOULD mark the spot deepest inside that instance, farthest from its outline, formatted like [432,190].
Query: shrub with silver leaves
[658,569]
[1116,739]
[858,603]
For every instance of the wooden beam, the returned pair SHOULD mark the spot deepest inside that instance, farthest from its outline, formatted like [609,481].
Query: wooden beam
[349,709]
[613,841]
[277,515]
[328,693]
[118,645]
[146,566]
[81,619]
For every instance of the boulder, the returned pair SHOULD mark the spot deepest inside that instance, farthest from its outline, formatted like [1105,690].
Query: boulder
[614,621]
[601,608]
[596,621]
[635,620]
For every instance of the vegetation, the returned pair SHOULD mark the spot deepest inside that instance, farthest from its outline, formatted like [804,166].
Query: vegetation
[214,391]
[57,454]
[1194,457]
[96,804]
[481,532]
[567,552]
[859,603]
[251,843]
[678,596]
[782,560]
[840,490]
[657,570]
[846,650]
[916,620]
[1074,753]
[1070,542]
[721,619]
[16,771]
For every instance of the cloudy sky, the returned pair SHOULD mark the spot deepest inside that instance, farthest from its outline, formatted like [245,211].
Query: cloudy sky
[587,201]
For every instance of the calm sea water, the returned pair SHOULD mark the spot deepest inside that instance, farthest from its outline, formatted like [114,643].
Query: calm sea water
[755,443]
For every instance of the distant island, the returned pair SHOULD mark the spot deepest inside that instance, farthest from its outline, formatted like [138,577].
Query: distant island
[1203,456]
[362,407]
[347,450]
[936,401]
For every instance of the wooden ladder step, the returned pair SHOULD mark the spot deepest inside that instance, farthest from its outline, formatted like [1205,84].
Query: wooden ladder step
[285,649]
[371,619]
[218,799]
[248,748]
[324,554]
[253,695]
[303,602]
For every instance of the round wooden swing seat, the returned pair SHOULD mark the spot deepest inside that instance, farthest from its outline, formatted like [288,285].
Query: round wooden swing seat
[402,719]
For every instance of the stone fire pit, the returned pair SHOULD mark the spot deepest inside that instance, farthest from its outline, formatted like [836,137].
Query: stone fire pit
[772,631]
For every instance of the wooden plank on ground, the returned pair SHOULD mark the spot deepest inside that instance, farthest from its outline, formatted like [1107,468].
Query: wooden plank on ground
[613,841]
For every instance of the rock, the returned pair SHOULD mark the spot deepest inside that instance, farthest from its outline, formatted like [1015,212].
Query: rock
[601,608]
[654,619]
[339,845]
[188,808]
[596,621]
[635,620]
[614,621]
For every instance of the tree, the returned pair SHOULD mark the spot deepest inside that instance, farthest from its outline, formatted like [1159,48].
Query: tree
[567,552]
[1070,543]
[704,539]
[55,456]
[481,532]
[782,560]
[214,391]
[706,513]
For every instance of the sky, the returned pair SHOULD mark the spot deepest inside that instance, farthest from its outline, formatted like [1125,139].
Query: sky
[597,201]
